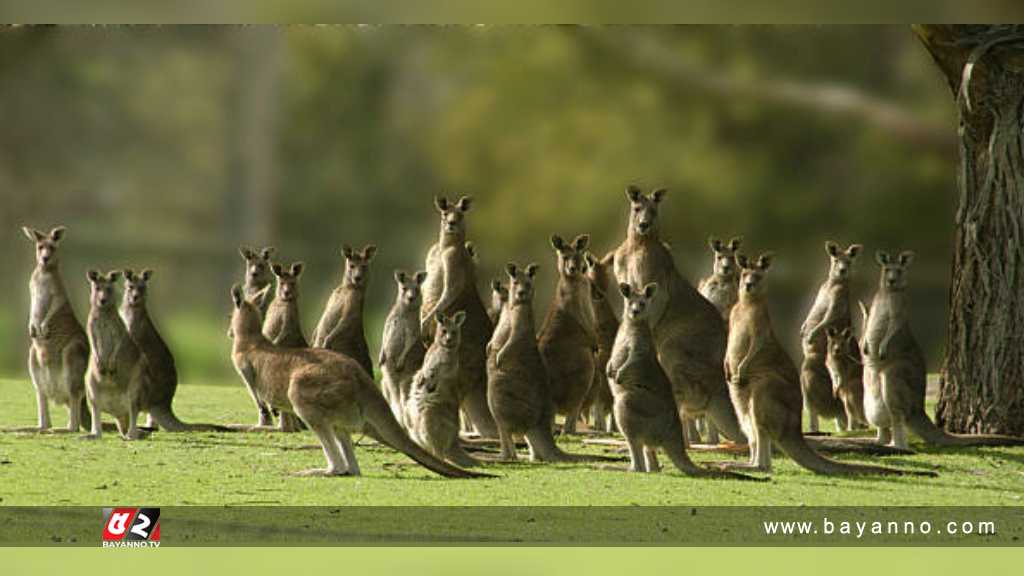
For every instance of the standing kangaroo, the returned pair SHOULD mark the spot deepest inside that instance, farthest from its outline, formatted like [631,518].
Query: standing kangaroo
[328,390]
[401,347]
[341,325]
[567,340]
[831,309]
[118,379]
[599,399]
[688,330]
[499,297]
[257,279]
[847,373]
[721,288]
[645,409]
[764,384]
[433,409]
[163,374]
[282,323]
[451,286]
[895,369]
[59,349]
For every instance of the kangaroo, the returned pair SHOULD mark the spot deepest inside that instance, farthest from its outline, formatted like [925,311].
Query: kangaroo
[831,309]
[257,277]
[401,349]
[433,410]
[163,374]
[764,384]
[895,369]
[450,286]
[282,324]
[59,348]
[568,340]
[499,297]
[118,378]
[341,325]
[688,330]
[599,399]
[645,409]
[847,373]
[721,288]
[328,390]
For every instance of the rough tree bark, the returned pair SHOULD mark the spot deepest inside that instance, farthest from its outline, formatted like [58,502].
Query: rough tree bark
[982,388]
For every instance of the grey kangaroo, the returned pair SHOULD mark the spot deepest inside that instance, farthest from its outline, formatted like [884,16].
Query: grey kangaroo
[599,399]
[401,349]
[59,348]
[341,325]
[257,279]
[450,286]
[688,330]
[895,369]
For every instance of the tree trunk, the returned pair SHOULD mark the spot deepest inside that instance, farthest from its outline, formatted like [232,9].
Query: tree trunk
[982,386]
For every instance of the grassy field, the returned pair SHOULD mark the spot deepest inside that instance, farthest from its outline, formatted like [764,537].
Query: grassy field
[256,468]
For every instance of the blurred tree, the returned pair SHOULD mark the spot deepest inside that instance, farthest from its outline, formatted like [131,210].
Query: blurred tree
[983,375]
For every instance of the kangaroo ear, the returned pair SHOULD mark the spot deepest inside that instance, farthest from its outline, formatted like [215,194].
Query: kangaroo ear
[531,269]
[471,249]
[93,275]
[441,203]
[369,252]
[581,242]
[735,243]
[557,242]
[246,253]
[459,317]
[420,277]
[400,276]
[347,251]
[590,259]
[764,262]
[236,295]
[715,244]
[658,195]
[511,269]
[650,290]
[57,233]
[297,269]
[129,274]
[906,258]
[442,318]
[465,203]
[277,269]
[742,260]
[496,286]
[634,193]
[625,289]
[853,250]
[32,234]
[147,274]
[266,252]
[113,276]
[831,248]
[882,257]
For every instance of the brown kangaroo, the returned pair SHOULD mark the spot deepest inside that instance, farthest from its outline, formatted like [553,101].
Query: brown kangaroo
[847,373]
[163,372]
[764,384]
[688,330]
[499,297]
[450,286]
[257,278]
[831,309]
[721,288]
[895,372]
[644,406]
[59,348]
[282,323]
[567,340]
[332,394]
[341,325]
[401,348]
[599,399]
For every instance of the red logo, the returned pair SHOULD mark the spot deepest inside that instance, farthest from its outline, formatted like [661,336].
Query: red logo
[131,527]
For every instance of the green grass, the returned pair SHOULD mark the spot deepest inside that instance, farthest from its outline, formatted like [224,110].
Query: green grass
[256,468]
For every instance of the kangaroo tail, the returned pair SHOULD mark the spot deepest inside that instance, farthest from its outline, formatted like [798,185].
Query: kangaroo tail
[797,449]
[920,424]
[681,459]
[166,419]
[384,427]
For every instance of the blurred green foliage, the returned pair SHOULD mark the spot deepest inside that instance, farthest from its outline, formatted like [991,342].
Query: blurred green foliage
[168,147]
